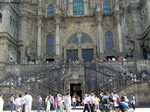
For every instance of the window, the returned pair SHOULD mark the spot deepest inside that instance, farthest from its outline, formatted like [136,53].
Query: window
[85,39]
[50,44]
[50,11]
[109,41]
[78,7]
[73,40]
[0,17]
[107,8]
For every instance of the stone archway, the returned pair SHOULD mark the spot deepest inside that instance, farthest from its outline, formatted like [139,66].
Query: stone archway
[75,78]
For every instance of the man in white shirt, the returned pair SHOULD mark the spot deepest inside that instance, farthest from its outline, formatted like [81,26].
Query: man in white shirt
[1,103]
[28,102]
[86,103]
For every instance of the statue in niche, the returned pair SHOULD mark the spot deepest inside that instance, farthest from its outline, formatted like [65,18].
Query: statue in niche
[130,47]
[30,51]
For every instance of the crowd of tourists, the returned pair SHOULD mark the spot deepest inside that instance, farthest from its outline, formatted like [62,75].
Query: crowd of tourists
[18,103]
[108,102]
[105,102]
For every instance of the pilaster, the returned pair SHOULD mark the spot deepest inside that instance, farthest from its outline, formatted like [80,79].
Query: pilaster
[22,38]
[70,9]
[136,18]
[100,34]
[148,4]
[57,19]
[86,7]
[39,38]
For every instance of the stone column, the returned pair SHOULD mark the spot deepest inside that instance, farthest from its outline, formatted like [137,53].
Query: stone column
[57,36]
[148,11]
[39,38]
[57,6]
[136,18]
[79,48]
[70,7]
[22,39]
[100,34]
[86,7]
[137,29]
[119,31]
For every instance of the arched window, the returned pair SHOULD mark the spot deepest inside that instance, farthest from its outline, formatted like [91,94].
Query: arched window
[109,41]
[73,40]
[78,7]
[0,17]
[85,39]
[50,44]
[50,11]
[107,8]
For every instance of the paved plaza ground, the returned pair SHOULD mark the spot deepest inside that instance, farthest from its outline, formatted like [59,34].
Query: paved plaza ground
[130,110]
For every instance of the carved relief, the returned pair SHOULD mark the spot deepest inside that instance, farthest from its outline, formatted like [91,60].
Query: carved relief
[107,22]
[31,50]
[130,47]
[12,56]
[146,44]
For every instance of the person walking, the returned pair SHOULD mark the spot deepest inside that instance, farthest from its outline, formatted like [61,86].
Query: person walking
[1,103]
[11,103]
[74,102]
[19,103]
[48,106]
[133,101]
[86,102]
[39,103]
[28,102]
[67,102]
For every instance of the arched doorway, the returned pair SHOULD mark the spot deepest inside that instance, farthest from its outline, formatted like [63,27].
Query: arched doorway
[80,46]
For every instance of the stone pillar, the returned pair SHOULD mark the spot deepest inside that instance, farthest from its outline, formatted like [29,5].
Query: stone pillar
[57,36]
[100,34]
[86,7]
[70,9]
[120,40]
[136,18]
[79,49]
[39,38]
[57,6]
[39,30]
[137,29]
[22,39]
[148,11]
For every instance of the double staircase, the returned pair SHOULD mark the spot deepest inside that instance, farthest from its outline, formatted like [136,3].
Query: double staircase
[45,79]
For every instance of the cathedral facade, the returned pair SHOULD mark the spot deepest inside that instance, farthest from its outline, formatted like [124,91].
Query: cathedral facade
[33,30]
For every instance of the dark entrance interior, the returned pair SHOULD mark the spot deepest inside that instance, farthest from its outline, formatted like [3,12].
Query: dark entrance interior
[109,57]
[75,89]
[50,60]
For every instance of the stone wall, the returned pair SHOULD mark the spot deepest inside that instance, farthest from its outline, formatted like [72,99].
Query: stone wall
[140,90]
[7,91]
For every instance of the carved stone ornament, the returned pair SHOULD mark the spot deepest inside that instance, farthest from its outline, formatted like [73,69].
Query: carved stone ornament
[30,51]
[75,76]
[130,47]
[126,3]
[108,22]
[146,44]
